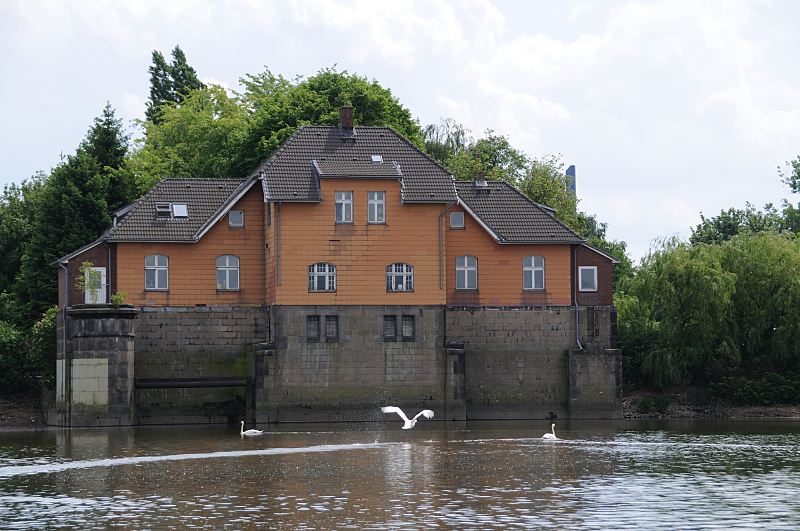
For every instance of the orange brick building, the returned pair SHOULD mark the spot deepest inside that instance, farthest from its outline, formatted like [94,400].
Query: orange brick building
[371,275]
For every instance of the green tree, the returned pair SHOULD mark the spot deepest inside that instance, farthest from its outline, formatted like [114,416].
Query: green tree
[201,138]
[681,299]
[160,86]
[445,140]
[735,221]
[108,143]
[169,83]
[792,176]
[183,77]
[494,156]
[277,107]
[70,211]
[766,303]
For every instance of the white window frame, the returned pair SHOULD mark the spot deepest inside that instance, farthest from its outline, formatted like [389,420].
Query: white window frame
[456,225]
[96,296]
[345,200]
[325,271]
[464,266]
[529,270]
[231,220]
[376,207]
[581,287]
[157,266]
[179,210]
[399,277]
[228,266]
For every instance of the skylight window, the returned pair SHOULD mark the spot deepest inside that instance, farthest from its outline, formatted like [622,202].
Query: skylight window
[163,210]
[180,210]
[377,159]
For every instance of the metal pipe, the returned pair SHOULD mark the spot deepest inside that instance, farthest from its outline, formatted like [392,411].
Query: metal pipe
[575,296]
[278,242]
[67,387]
[441,244]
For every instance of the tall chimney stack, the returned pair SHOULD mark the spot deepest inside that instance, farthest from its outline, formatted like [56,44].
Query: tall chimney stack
[346,117]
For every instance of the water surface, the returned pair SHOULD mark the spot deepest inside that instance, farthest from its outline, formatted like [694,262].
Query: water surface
[657,475]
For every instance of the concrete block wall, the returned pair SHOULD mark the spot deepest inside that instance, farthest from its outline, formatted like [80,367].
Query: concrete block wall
[95,367]
[196,342]
[517,359]
[350,378]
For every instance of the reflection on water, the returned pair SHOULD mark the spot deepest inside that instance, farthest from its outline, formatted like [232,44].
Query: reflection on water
[373,476]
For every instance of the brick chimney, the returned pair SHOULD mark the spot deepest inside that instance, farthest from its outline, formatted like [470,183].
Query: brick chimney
[346,117]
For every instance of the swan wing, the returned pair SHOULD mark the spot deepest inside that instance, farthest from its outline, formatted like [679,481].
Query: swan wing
[395,409]
[427,413]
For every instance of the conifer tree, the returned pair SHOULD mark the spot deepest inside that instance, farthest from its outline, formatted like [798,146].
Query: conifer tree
[160,86]
[184,78]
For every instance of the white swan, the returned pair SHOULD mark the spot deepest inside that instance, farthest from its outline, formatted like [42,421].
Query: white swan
[427,413]
[550,436]
[249,433]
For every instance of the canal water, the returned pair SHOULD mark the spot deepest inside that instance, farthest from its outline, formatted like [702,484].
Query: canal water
[477,475]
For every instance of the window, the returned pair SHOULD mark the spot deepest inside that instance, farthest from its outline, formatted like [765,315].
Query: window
[466,272]
[344,207]
[180,210]
[156,272]
[587,278]
[331,327]
[376,207]
[408,328]
[456,220]
[322,277]
[228,272]
[399,277]
[533,272]
[377,159]
[236,218]
[312,327]
[389,328]
[163,210]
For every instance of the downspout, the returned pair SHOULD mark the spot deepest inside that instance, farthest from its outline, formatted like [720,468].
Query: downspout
[441,244]
[575,296]
[67,362]
[278,242]
[109,276]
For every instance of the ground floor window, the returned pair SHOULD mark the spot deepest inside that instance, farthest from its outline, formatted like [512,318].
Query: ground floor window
[409,332]
[312,328]
[331,327]
[389,328]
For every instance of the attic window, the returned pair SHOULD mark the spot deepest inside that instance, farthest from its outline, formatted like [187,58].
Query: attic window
[180,210]
[163,210]
[377,159]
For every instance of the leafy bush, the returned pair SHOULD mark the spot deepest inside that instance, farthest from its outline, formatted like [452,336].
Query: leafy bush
[766,390]
[13,378]
[42,346]
[654,404]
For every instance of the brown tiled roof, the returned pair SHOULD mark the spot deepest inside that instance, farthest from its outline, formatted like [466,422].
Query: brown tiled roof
[357,169]
[511,216]
[204,198]
[288,173]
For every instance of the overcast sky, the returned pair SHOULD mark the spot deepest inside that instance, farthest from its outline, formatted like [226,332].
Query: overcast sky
[666,108]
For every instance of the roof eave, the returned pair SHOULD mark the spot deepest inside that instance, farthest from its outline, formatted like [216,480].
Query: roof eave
[477,218]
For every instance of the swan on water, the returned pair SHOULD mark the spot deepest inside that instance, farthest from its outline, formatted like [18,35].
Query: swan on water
[249,433]
[427,413]
[550,435]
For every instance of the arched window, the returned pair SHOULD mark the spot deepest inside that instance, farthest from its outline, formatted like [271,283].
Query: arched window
[466,272]
[399,277]
[156,272]
[228,272]
[322,277]
[533,272]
